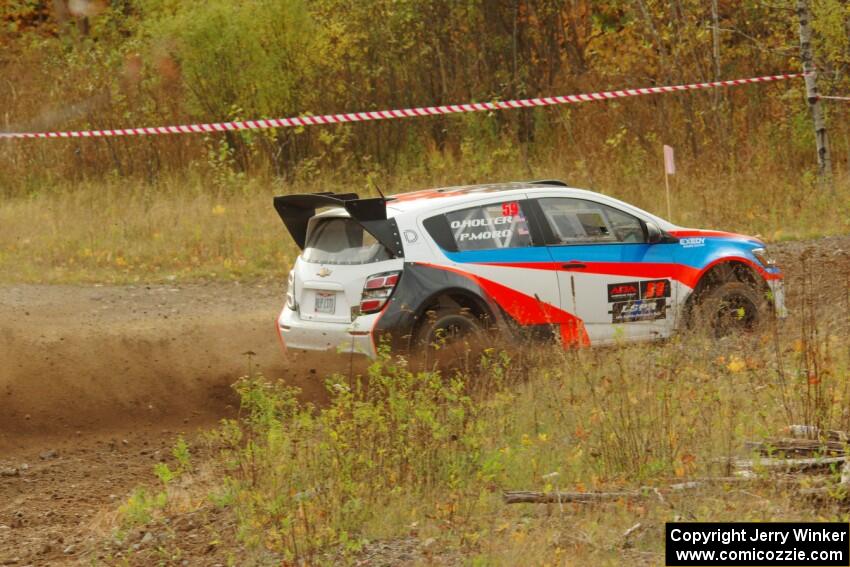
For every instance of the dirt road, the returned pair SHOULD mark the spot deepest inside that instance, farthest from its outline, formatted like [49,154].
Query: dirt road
[94,359]
[97,381]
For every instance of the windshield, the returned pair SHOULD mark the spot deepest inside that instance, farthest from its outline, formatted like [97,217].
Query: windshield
[342,240]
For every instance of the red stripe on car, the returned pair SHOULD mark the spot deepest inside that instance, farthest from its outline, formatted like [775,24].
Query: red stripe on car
[527,310]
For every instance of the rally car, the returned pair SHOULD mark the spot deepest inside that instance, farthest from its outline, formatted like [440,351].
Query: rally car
[520,259]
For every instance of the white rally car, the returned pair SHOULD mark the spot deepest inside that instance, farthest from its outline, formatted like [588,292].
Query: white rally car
[515,259]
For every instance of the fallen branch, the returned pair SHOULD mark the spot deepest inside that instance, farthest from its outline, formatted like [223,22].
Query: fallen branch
[812,432]
[529,497]
[750,479]
[790,464]
[706,481]
[797,446]
[744,474]
[628,533]
[532,497]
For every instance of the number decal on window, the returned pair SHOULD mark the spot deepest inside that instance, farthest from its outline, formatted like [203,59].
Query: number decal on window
[510,209]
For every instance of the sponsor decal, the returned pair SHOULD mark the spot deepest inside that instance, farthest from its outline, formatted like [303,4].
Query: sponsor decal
[638,301]
[486,235]
[498,228]
[640,310]
[653,289]
[631,291]
[478,223]
[692,242]
[483,229]
[623,291]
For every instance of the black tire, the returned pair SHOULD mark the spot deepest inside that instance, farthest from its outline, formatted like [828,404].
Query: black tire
[450,339]
[731,308]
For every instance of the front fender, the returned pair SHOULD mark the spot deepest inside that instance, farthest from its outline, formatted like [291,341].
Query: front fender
[702,254]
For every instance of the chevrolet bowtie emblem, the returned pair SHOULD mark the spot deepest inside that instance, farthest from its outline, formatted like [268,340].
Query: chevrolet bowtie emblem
[323,273]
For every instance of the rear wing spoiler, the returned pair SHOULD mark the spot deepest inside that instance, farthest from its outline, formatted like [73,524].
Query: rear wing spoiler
[296,211]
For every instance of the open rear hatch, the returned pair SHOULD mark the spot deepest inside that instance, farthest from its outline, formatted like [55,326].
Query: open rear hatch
[340,252]
[297,210]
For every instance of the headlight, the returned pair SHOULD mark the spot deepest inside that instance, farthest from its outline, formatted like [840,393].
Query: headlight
[766,259]
[290,290]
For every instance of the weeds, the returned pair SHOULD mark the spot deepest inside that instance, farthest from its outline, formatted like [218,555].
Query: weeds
[143,504]
[140,507]
[396,448]
[307,478]
[397,453]
[180,452]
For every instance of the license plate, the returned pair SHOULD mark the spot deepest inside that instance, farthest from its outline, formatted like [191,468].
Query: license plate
[325,302]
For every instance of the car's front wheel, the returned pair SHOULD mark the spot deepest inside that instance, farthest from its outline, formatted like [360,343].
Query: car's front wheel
[731,308]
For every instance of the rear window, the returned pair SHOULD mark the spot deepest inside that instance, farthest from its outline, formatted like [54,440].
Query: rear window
[488,227]
[342,241]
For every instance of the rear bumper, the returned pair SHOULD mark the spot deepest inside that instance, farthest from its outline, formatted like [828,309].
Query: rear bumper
[354,337]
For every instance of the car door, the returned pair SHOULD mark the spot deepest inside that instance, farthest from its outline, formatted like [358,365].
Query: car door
[609,276]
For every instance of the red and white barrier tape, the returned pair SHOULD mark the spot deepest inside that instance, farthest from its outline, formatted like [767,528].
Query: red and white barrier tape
[391,114]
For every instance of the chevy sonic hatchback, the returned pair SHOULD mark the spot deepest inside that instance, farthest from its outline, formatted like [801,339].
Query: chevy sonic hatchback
[511,259]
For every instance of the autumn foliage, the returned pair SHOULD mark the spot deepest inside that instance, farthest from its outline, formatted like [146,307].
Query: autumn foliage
[97,64]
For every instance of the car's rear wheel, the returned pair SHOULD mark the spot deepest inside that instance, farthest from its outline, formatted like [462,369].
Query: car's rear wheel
[450,339]
[731,308]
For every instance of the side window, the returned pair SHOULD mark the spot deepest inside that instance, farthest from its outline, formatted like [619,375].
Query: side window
[576,221]
[491,226]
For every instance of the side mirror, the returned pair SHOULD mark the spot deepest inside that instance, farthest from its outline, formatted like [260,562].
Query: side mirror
[653,233]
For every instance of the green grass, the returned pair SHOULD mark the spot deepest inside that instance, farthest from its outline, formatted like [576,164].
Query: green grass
[120,232]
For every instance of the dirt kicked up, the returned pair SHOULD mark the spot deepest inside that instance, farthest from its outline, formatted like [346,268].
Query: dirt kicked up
[75,360]
[96,382]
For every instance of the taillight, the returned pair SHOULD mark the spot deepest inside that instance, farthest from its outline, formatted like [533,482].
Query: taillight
[377,290]
[290,290]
